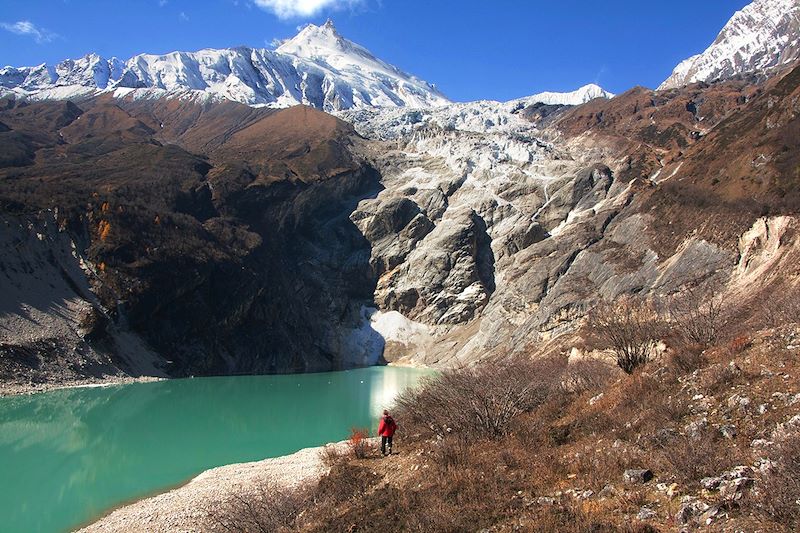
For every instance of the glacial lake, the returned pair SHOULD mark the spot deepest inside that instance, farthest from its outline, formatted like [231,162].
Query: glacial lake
[71,455]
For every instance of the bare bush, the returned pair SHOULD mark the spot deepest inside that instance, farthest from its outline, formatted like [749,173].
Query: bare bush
[698,317]
[779,486]
[451,452]
[359,443]
[266,510]
[481,400]
[782,309]
[344,482]
[331,455]
[720,377]
[693,457]
[587,374]
[686,359]
[630,327]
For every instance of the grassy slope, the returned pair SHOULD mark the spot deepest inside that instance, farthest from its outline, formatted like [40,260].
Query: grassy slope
[575,450]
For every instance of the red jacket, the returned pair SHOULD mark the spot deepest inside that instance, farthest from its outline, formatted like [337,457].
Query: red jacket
[387,427]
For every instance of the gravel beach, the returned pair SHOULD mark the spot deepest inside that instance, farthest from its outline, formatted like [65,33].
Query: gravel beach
[190,507]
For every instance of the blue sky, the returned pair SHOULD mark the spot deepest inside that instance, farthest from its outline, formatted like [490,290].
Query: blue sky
[496,49]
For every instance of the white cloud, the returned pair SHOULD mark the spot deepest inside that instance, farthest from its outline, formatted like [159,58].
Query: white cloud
[183,16]
[26,27]
[287,9]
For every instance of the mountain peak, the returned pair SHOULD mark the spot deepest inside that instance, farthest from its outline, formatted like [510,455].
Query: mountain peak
[763,35]
[577,97]
[315,40]
[317,67]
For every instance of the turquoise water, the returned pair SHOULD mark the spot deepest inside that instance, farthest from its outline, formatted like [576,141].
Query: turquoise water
[70,455]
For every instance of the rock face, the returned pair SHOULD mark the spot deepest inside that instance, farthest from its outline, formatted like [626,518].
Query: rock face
[763,35]
[238,256]
[500,227]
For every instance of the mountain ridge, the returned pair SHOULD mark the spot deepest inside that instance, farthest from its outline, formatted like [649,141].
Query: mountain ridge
[317,67]
[347,76]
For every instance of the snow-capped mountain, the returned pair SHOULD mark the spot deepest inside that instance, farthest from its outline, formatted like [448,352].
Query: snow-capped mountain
[317,67]
[763,35]
[577,97]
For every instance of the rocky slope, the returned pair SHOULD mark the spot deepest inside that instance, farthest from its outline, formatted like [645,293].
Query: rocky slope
[494,232]
[175,236]
[764,35]
[206,239]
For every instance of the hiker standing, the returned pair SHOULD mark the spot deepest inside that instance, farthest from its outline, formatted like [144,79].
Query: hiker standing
[386,429]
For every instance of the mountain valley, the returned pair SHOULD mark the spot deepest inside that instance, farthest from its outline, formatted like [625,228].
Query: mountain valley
[189,235]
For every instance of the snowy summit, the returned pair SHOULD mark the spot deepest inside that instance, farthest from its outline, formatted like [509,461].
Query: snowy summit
[763,35]
[318,67]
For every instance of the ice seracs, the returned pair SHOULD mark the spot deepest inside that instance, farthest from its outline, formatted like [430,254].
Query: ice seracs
[763,35]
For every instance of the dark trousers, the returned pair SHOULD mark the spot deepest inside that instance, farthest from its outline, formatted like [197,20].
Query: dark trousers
[384,442]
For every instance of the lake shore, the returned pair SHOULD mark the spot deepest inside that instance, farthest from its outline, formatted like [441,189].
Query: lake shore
[191,507]
[20,388]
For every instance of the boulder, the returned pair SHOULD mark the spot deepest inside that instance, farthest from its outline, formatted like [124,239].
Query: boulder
[645,513]
[636,476]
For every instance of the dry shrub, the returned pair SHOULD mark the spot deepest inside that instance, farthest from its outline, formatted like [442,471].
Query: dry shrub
[778,495]
[690,458]
[458,499]
[648,397]
[597,466]
[588,375]
[630,328]
[739,345]
[782,309]
[698,317]
[358,442]
[630,501]
[481,400]
[451,452]
[331,455]
[567,517]
[559,434]
[719,377]
[686,359]
[267,510]
[345,481]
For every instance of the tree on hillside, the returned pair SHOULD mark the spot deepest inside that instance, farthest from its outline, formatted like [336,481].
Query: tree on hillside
[698,315]
[630,328]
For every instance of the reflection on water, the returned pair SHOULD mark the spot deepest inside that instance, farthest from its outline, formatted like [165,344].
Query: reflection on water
[69,455]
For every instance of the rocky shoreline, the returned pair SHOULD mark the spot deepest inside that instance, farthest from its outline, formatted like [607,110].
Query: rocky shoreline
[192,507]
[21,388]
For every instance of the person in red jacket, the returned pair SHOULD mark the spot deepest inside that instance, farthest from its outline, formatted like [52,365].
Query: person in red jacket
[386,429]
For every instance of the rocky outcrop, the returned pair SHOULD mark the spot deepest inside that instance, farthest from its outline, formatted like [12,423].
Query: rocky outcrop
[575,207]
